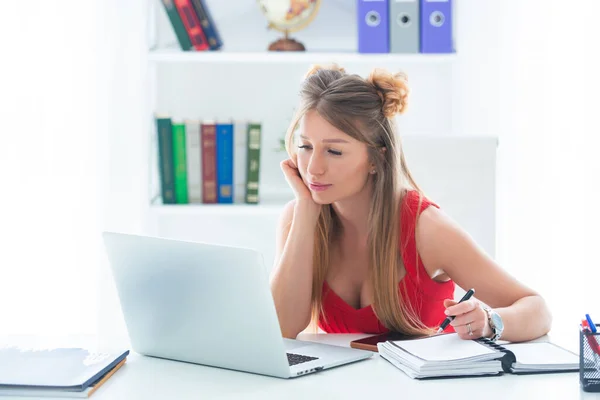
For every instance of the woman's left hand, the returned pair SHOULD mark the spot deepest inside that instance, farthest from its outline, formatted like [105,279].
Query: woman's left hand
[470,320]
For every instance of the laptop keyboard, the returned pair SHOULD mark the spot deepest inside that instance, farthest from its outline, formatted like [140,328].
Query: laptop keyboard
[295,359]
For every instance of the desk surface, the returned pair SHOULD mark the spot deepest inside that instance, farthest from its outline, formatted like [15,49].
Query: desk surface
[152,378]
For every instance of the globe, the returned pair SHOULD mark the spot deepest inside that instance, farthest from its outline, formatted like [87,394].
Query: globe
[288,16]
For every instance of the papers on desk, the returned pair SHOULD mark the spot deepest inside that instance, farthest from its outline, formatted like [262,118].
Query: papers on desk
[448,355]
[57,372]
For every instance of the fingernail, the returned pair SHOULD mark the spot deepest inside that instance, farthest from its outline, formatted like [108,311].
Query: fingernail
[447,312]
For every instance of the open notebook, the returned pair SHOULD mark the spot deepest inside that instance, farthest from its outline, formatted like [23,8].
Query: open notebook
[448,355]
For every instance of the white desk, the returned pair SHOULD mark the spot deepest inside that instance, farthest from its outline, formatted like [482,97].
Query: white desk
[151,378]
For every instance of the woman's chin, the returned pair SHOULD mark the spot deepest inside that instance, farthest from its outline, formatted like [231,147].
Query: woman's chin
[321,199]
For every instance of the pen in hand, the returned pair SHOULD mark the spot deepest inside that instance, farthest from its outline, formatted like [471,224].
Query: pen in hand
[450,318]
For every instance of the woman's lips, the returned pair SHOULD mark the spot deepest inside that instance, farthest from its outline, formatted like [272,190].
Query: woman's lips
[318,187]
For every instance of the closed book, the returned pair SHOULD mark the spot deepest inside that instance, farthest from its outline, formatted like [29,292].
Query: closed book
[208,24]
[224,151]
[177,23]
[192,24]
[208,132]
[69,369]
[240,154]
[164,131]
[39,392]
[253,162]
[194,160]
[179,162]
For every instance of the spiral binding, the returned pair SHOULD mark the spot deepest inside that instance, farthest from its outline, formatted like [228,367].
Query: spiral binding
[509,357]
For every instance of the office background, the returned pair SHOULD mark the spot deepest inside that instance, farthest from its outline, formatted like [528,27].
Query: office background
[73,83]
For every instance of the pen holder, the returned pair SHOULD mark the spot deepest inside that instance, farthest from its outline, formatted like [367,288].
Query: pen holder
[589,360]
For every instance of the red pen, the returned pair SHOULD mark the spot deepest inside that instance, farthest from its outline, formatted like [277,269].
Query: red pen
[590,337]
[585,324]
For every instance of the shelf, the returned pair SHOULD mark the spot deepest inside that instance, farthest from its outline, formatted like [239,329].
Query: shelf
[218,209]
[177,56]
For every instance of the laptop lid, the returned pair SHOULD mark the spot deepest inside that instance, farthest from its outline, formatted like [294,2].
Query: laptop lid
[197,302]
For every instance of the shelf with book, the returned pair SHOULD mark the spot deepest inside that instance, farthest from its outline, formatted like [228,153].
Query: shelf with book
[238,30]
[173,55]
[242,82]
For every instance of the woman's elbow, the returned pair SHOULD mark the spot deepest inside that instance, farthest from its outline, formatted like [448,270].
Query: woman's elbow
[546,315]
[292,332]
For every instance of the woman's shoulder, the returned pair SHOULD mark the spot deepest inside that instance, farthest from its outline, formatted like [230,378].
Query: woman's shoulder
[413,202]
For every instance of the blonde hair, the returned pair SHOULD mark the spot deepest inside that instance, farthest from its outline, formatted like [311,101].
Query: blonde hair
[365,109]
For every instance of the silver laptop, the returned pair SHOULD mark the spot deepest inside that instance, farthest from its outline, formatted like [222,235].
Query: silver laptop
[208,304]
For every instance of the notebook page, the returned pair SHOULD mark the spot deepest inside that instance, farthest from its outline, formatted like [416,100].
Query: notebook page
[541,353]
[444,348]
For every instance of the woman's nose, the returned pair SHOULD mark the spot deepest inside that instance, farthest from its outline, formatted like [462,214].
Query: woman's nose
[316,165]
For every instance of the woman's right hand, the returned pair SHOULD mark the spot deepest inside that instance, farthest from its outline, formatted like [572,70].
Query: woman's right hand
[294,179]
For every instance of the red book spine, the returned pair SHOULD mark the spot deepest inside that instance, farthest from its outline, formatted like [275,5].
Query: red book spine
[209,163]
[192,24]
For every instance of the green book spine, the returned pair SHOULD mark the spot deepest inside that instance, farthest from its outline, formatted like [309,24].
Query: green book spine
[180,163]
[253,162]
[165,159]
[180,32]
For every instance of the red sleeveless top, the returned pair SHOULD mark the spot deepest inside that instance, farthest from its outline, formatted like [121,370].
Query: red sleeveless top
[424,294]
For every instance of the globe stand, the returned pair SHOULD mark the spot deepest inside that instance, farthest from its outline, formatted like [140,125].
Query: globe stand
[286,44]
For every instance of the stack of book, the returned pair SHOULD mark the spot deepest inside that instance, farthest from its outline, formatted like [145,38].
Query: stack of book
[57,372]
[202,161]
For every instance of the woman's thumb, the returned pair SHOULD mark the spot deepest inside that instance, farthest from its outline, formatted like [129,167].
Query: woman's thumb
[449,303]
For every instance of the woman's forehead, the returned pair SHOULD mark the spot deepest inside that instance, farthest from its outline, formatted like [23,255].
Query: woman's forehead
[314,127]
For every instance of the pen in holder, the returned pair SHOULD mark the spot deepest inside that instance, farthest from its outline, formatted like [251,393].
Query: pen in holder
[589,359]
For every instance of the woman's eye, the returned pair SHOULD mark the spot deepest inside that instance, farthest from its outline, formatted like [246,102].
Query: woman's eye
[333,152]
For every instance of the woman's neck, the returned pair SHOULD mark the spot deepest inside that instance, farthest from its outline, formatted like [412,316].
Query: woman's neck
[353,214]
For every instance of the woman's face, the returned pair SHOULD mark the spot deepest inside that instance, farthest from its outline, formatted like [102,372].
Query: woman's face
[333,165]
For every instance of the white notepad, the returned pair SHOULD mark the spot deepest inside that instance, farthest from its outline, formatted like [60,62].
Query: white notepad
[448,355]
[447,348]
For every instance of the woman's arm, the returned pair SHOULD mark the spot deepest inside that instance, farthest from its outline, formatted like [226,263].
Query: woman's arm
[445,248]
[291,283]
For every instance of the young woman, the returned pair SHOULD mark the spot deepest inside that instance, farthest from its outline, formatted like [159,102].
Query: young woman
[360,249]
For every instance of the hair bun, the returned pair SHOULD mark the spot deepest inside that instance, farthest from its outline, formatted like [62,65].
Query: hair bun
[330,67]
[393,90]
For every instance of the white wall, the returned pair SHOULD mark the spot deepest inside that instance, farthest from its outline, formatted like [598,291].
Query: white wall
[71,76]
[528,73]
[67,98]
[50,204]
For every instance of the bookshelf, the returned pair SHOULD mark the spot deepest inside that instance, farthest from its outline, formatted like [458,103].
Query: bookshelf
[245,82]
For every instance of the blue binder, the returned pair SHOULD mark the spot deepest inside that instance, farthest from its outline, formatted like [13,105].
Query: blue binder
[373,26]
[224,153]
[436,26]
